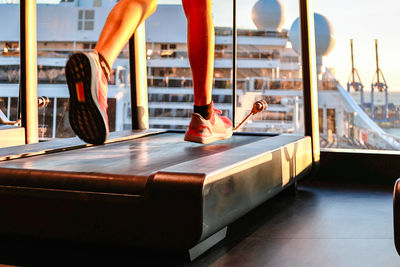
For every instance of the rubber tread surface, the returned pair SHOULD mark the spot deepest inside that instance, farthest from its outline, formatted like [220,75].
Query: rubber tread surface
[85,117]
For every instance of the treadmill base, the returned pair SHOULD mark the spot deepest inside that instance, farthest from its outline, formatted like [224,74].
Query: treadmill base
[206,244]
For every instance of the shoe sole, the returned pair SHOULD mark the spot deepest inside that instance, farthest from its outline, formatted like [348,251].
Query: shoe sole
[207,140]
[85,116]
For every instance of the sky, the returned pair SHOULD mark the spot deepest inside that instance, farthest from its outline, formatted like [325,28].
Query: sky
[361,20]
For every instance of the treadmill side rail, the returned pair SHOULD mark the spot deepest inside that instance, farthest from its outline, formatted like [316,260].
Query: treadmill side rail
[233,193]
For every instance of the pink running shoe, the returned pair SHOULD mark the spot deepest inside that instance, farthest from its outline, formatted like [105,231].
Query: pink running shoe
[87,77]
[207,131]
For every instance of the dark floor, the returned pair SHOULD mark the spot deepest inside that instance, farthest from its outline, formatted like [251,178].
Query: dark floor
[325,225]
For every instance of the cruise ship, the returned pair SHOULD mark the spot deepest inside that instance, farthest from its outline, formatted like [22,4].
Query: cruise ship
[268,68]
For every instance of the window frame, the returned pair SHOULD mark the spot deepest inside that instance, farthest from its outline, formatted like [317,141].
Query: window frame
[84,21]
[137,49]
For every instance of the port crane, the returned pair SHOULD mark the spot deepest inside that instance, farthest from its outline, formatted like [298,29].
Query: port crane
[354,81]
[379,83]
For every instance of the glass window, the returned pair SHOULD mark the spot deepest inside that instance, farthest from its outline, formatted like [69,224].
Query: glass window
[358,83]
[52,57]
[63,128]
[86,20]
[268,67]
[97,3]
[46,120]
[89,25]
[13,112]
[111,112]
[9,60]
[89,14]
[170,82]
[4,105]
[9,73]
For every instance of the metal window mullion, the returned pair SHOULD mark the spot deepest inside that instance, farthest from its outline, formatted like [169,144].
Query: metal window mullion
[54,117]
[28,65]
[234,63]
[137,65]
[309,68]
[8,107]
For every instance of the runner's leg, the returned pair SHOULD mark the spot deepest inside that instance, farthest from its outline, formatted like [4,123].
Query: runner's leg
[121,23]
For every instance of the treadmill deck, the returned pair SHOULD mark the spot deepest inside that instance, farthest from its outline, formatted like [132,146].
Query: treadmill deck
[144,189]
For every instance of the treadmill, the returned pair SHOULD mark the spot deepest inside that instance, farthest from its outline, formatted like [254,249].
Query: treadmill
[147,187]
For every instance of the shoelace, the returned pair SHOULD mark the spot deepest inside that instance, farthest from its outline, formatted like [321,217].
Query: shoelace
[104,65]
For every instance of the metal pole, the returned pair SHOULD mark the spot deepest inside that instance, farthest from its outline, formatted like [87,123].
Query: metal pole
[54,117]
[137,65]
[352,64]
[384,85]
[309,67]
[234,63]
[372,101]
[354,72]
[362,96]
[386,114]
[28,78]
[377,63]
[8,107]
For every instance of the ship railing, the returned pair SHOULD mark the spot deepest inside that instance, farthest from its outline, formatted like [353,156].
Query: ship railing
[356,136]
[270,127]
[254,126]
[245,84]
[57,52]
[187,82]
[290,59]
[249,54]
[49,75]
[327,85]
[263,84]
[47,52]
[328,81]
[270,54]
[182,105]
[224,31]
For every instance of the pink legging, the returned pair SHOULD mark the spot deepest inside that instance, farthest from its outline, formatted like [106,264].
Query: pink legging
[125,17]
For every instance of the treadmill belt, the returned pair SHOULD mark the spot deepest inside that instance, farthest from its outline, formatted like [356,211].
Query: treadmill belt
[140,157]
